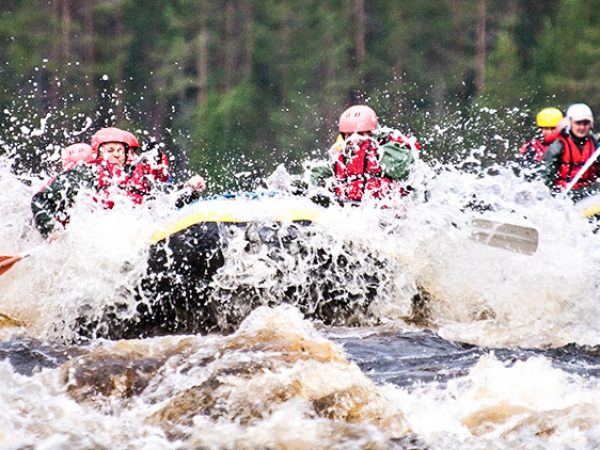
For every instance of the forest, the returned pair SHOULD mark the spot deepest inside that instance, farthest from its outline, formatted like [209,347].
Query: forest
[234,88]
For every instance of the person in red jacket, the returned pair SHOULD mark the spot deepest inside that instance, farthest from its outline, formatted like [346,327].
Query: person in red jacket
[136,176]
[566,156]
[76,154]
[109,177]
[72,155]
[532,151]
[373,161]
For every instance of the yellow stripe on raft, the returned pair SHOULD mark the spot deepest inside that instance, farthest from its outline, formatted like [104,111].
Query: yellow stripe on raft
[186,222]
[591,211]
[306,214]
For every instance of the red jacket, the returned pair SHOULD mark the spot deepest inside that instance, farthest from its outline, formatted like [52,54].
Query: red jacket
[134,185]
[357,170]
[535,149]
[573,159]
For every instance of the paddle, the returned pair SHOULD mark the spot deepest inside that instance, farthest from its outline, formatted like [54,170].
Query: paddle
[590,207]
[507,236]
[6,262]
[516,238]
[519,238]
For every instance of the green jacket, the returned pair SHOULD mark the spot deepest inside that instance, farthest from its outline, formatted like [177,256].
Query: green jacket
[50,205]
[548,170]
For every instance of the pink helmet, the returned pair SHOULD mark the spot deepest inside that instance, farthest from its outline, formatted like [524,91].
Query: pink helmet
[358,118]
[75,153]
[110,134]
[132,141]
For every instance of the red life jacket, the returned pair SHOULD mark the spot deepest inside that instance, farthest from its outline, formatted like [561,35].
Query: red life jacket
[158,171]
[112,179]
[534,146]
[357,171]
[539,147]
[573,159]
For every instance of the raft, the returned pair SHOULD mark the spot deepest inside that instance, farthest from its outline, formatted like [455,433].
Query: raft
[218,259]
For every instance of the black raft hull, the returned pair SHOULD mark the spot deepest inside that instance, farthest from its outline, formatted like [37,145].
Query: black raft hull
[207,276]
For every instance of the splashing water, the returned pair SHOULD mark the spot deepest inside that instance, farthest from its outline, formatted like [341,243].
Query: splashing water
[488,329]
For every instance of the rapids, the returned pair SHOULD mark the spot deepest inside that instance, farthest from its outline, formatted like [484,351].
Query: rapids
[502,352]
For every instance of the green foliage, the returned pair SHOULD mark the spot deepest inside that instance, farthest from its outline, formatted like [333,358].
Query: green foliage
[279,73]
[24,34]
[475,136]
[222,153]
[568,56]
[505,81]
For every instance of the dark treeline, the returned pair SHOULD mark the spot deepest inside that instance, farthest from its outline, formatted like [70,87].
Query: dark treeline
[240,86]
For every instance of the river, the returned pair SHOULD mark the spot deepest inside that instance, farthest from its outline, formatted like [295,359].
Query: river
[502,354]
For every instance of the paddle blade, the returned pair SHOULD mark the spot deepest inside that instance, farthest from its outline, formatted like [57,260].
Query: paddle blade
[511,237]
[6,262]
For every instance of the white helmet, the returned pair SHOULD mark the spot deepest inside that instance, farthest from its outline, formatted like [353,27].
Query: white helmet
[580,111]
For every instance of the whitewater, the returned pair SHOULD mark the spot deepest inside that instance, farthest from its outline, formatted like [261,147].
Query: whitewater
[502,351]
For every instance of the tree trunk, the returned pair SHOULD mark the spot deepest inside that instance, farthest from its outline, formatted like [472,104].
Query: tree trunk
[46,84]
[458,16]
[459,32]
[329,75]
[88,47]
[66,31]
[119,38]
[355,95]
[89,52]
[247,19]
[202,62]
[286,44]
[359,31]
[229,47]
[480,51]
[512,8]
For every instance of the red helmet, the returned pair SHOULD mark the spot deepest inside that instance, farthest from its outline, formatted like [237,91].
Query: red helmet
[358,118]
[75,153]
[110,134]
[132,141]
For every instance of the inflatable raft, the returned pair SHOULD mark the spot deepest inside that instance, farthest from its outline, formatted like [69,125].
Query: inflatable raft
[218,259]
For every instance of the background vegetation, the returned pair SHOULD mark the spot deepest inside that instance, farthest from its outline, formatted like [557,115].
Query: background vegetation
[236,87]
